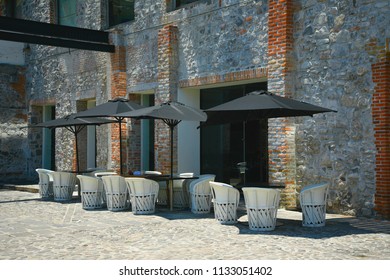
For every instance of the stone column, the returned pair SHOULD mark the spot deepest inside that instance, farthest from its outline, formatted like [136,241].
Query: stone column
[167,90]
[281,131]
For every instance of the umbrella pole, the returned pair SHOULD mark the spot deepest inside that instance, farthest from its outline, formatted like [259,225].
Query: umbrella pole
[120,146]
[77,165]
[244,147]
[244,138]
[171,127]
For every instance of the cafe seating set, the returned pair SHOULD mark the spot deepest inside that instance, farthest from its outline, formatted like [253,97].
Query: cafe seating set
[102,188]
[262,205]
[56,185]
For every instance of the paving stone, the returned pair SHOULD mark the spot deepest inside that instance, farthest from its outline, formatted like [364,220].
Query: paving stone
[35,229]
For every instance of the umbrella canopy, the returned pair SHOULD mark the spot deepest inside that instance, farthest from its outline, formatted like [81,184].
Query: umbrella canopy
[169,112]
[172,113]
[260,105]
[111,109]
[74,125]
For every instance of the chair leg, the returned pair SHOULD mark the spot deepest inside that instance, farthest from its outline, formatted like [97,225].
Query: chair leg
[263,219]
[313,215]
[225,213]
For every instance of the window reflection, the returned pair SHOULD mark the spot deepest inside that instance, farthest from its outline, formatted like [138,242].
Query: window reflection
[120,11]
[13,8]
[184,2]
[67,12]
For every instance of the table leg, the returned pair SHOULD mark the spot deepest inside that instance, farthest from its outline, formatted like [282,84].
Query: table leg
[170,194]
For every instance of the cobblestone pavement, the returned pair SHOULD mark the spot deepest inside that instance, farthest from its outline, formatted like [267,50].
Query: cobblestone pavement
[35,229]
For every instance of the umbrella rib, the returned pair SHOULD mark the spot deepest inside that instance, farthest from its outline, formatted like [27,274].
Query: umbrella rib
[171,122]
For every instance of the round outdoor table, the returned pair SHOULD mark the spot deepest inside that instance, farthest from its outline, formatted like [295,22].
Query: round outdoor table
[168,179]
[261,185]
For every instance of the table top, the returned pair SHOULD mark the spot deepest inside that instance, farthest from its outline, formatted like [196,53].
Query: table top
[158,177]
[260,185]
[74,171]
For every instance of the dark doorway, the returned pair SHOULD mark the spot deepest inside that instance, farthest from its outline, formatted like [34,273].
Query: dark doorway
[48,139]
[224,147]
[147,128]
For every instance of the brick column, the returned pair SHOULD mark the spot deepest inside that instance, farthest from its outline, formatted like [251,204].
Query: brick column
[282,130]
[381,118]
[118,89]
[167,90]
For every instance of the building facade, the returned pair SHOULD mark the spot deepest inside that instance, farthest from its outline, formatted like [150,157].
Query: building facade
[329,53]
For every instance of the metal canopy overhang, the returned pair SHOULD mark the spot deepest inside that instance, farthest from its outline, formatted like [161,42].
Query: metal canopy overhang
[33,32]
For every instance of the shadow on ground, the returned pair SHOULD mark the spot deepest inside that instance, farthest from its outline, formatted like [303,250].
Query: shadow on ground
[335,227]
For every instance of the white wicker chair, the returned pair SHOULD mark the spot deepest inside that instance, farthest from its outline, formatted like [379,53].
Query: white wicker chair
[313,204]
[91,192]
[200,193]
[180,193]
[226,199]
[262,207]
[116,192]
[162,198]
[64,184]
[143,195]
[45,183]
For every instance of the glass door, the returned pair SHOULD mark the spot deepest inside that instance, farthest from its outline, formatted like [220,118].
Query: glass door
[147,131]
[48,140]
[225,148]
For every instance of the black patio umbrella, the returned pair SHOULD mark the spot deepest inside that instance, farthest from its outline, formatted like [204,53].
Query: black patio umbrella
[171,113]
[111,109]
[75,126]
[259,105]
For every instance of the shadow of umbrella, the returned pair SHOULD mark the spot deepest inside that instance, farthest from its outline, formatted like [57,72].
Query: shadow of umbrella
[171,113]
[111,109]
[75,126]
[259,105]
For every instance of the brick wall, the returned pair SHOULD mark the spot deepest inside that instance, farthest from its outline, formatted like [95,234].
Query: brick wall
[381,118]
[118,89]
[281,131]
[225,78]
[167,90]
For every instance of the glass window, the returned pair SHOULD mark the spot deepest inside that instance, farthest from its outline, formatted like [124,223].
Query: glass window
[67,12]
[13,8]
[184,2]
[120,11]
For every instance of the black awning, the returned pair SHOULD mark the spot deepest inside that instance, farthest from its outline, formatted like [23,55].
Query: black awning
[27,31]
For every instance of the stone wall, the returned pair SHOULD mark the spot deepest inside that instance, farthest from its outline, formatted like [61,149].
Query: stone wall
[14,152]
[62,77]
[331,40]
